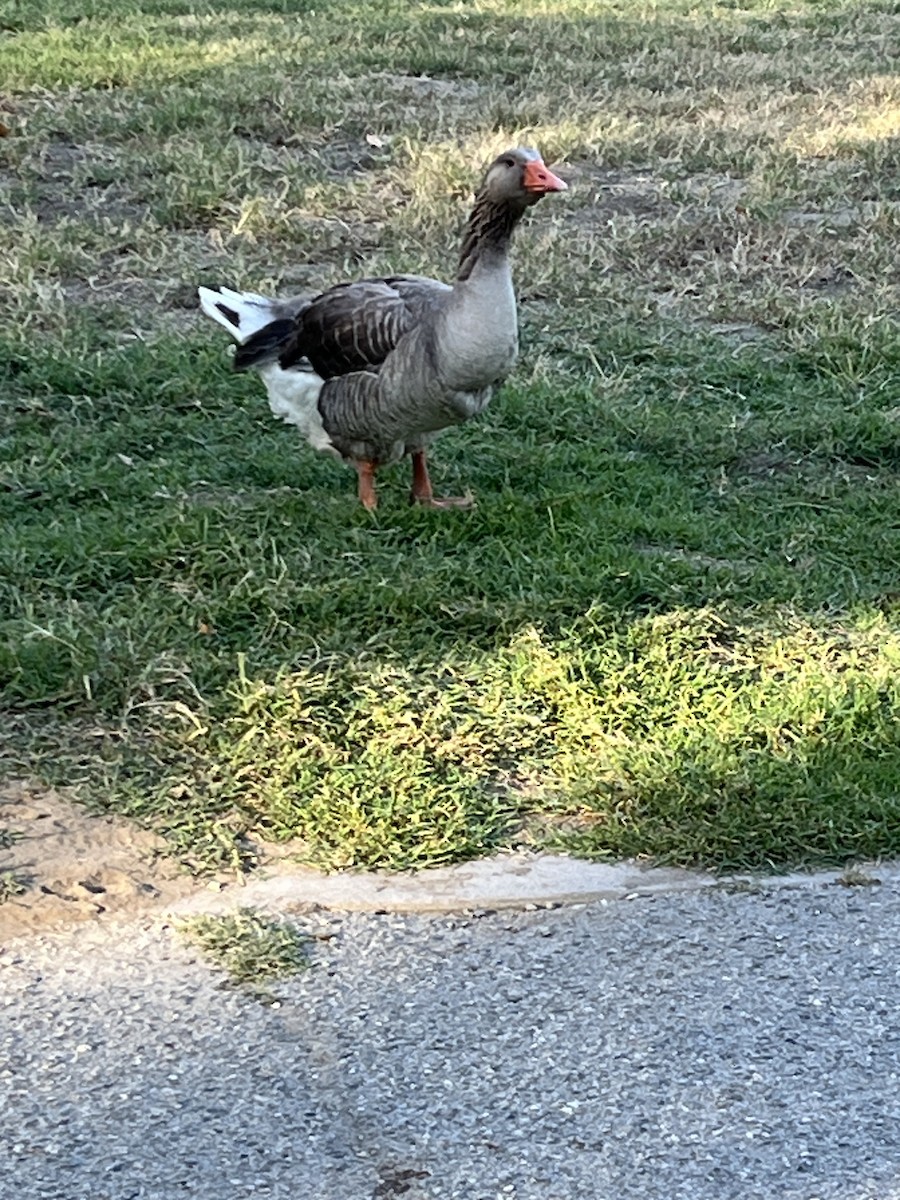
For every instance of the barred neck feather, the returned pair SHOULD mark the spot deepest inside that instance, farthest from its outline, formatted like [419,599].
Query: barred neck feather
[488,232]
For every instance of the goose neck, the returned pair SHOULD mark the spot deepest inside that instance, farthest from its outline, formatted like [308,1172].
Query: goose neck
[487,235]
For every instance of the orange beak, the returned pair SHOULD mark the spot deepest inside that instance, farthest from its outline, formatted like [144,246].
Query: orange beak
[538,178]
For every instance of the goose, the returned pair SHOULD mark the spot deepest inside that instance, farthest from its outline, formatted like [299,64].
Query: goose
[372,370]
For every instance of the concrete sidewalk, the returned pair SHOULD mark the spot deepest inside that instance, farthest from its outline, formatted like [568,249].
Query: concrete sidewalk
[696,1045]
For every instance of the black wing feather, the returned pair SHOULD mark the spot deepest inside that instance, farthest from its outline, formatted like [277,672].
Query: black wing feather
[264,346]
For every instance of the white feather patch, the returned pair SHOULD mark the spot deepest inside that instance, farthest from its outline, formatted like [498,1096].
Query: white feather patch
[253,312]
[294,396]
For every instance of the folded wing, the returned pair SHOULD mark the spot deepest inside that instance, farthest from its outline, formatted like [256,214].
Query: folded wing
[355,326]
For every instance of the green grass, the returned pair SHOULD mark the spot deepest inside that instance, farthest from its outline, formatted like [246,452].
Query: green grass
[670,628]
[8,837]
[252,948]
[11,885]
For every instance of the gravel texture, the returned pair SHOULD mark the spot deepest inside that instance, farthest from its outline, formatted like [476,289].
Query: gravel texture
[701,1046]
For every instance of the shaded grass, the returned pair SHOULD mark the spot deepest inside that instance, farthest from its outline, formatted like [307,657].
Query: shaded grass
[670,627]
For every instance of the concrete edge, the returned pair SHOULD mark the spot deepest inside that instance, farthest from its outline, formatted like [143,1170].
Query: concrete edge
[507,881]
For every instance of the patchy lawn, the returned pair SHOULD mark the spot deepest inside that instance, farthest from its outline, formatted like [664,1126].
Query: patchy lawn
[670,628]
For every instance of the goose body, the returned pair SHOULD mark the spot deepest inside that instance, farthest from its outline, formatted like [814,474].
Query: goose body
[372,370]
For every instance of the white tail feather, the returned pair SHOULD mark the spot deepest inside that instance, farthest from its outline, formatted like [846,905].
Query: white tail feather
[253,312]
[293,393]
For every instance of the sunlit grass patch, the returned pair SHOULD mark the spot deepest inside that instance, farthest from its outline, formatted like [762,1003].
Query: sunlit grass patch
[682,737]
[685,737]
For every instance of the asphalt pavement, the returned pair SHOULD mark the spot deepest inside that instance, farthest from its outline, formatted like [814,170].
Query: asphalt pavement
[715,1044]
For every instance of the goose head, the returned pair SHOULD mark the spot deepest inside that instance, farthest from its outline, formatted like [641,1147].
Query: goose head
[519,178]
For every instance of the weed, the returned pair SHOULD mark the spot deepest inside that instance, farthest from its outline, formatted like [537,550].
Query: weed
[856,877]
[252,948]
[11,885]
[9,837]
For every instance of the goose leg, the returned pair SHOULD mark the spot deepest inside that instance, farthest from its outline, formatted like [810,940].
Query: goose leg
[421,488]
[365,472]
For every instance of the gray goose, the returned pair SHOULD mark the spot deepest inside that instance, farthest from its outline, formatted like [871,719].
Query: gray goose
[372,370]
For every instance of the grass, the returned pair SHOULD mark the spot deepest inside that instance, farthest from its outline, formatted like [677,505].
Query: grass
[252,948]
[671,627]
[8,837]
[11,885]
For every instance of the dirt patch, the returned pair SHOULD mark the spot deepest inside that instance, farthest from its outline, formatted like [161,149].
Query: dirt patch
[74,867]
[829,278]
[151,306]
[61,180]
[767,464]
[693,558]
[737,333]
[343,157]
[647,196]
[844,216]
[812,469]
[611,193]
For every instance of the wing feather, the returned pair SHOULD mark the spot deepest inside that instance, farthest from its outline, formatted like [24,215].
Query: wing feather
[355,326]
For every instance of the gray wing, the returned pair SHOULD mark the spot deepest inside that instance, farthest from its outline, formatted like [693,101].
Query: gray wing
[355,326]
